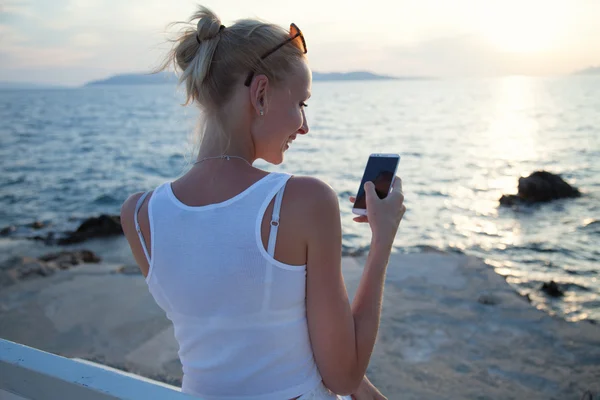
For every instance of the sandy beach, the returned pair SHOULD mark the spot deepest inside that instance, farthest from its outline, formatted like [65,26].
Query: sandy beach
[451,328]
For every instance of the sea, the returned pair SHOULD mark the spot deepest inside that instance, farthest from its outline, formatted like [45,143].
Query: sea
[68,154]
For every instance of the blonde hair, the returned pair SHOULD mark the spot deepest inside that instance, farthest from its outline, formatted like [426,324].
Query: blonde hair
[213,60]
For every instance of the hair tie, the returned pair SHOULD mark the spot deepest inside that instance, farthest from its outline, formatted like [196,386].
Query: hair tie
[198,39]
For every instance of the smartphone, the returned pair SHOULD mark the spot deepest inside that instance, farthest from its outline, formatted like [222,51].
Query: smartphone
[381,170]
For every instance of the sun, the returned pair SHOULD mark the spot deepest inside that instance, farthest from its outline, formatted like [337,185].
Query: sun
[525,26]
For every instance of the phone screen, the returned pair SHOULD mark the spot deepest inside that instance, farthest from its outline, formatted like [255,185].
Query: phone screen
[380,171]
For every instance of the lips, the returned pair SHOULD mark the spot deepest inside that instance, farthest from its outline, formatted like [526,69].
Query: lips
[289,141]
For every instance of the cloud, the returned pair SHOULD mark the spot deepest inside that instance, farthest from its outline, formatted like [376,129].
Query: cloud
[88,39]
[94,35]
[43,57]
[462,55]
[10,35]
[443,56]
[15,7]
[19,50]
[465,55]
[412,38]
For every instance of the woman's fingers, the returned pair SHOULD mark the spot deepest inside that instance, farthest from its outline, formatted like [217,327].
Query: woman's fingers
[397,186]
[361,218]
[397,193]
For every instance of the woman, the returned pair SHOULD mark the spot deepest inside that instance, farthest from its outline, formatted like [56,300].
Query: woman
[251,277]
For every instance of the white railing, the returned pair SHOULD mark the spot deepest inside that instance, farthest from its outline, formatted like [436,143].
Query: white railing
[28,373]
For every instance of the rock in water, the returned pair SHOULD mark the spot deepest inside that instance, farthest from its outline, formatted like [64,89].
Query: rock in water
[129,270]
[544,186]
[8,230]
[489,299]
[66,259]
[552,289]
[16,269]
[104,225]
[509,200]
[540,186]
[36,225]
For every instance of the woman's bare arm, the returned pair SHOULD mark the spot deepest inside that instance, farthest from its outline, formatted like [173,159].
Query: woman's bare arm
[342,334]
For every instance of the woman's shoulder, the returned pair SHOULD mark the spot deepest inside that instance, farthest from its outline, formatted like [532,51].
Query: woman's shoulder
[129,206]
[310,186]
[306,192]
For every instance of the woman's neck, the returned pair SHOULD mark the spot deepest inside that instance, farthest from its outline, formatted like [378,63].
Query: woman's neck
[217,141]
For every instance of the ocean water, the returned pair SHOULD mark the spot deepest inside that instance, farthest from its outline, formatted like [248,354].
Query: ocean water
[67,154]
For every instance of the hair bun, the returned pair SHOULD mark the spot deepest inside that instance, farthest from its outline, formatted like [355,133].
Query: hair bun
[209,25]
[212,62]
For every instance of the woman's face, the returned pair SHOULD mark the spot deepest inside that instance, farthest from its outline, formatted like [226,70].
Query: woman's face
[284,117]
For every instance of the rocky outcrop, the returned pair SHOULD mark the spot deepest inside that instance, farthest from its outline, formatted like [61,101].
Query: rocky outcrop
[16,269]
[12,229]
[7,230]
[128,270]
[93,227]
[552,289]
[66,259]
[102,226]
[37,225]
[539,187]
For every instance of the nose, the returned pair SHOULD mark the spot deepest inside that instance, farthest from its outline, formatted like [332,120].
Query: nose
[304,128]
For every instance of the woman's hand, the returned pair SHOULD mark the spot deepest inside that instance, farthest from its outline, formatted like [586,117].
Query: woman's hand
[383,215]
[366,391]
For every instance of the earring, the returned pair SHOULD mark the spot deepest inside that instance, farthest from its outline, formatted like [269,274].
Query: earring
[262,112]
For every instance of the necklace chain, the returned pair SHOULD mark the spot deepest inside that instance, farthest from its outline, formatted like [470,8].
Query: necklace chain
[224,156]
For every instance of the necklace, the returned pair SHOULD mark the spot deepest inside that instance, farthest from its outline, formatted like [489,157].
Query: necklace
[226,157]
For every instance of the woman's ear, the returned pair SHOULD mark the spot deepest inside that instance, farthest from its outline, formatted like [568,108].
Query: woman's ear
[258,94]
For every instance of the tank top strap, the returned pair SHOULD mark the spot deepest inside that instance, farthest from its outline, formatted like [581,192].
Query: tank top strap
[137,225]
[275,218]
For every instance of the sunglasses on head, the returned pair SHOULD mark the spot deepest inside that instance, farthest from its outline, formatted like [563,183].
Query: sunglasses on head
[296,38]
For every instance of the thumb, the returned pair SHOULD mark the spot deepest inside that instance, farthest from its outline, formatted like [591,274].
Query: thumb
[370,192]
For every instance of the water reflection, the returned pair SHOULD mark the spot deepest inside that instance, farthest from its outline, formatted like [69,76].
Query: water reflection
[512,133]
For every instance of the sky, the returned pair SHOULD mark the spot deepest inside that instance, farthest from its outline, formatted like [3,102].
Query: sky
[70,42]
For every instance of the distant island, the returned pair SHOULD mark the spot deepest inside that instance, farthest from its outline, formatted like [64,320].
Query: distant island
[170,78]
[137,79]
[589,71]
[358,76]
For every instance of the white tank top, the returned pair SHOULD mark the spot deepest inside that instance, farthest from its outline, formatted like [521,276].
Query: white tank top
[239,315]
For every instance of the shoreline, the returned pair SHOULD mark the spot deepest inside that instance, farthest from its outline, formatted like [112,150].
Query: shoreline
[450,324]
[114,250]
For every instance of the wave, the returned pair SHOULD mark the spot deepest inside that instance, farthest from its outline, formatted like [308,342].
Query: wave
[15,181]
[580,272]
[105,199]
[574,287]
[592,226]
[541,247]
[432,193]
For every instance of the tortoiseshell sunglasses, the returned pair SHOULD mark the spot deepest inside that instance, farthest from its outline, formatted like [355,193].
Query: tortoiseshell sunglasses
[295,33]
